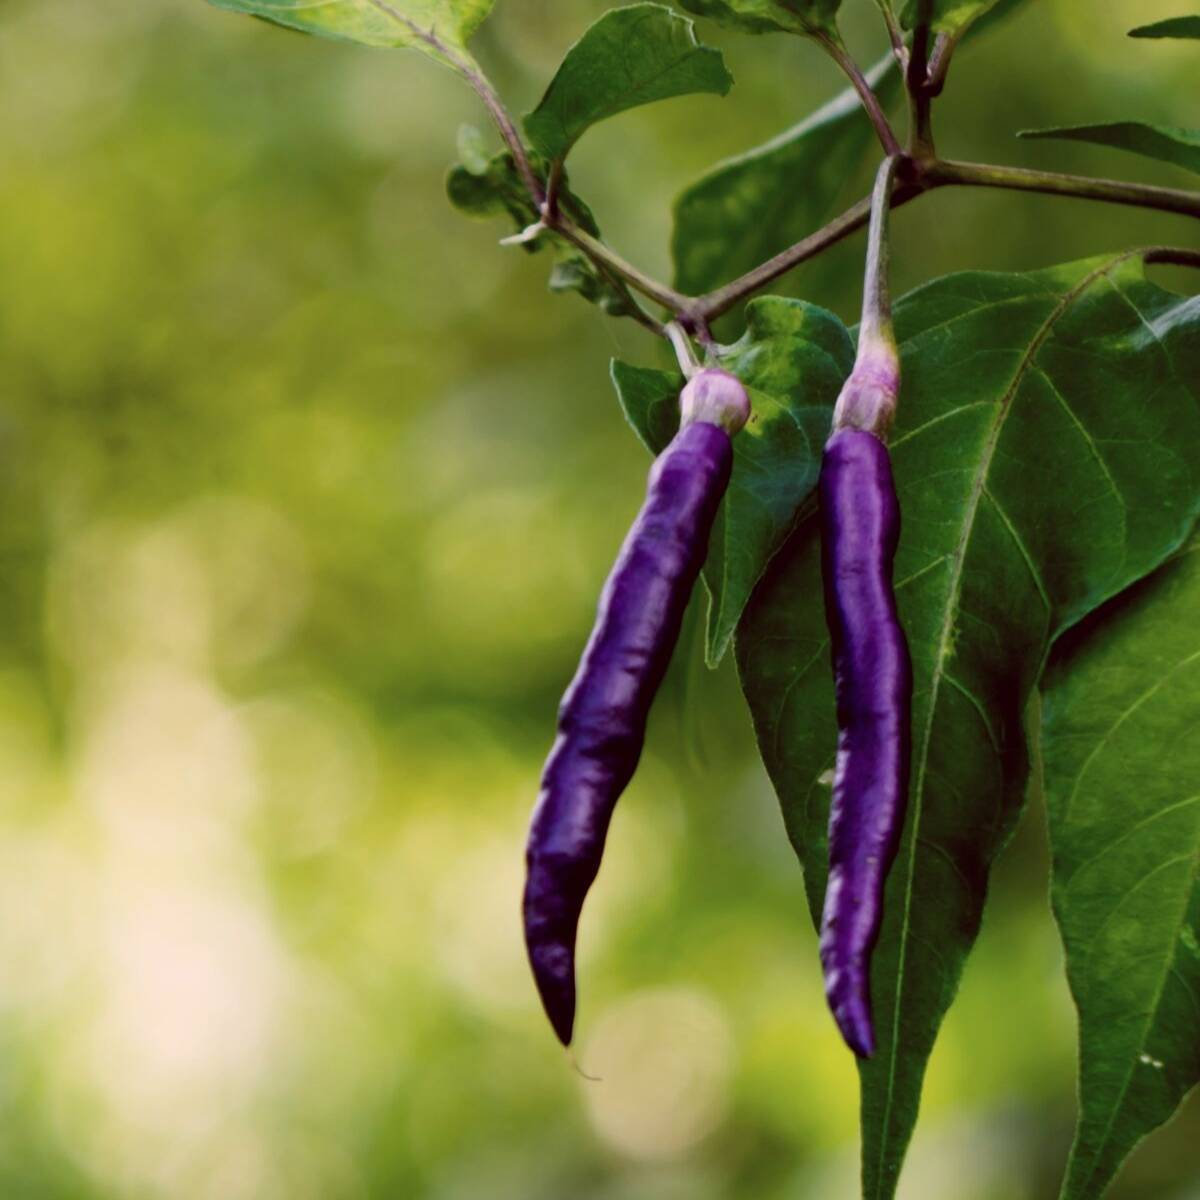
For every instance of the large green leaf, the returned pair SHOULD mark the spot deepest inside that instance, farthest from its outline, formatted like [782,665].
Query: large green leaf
[420,24]
[630,56]
[812,17]
[483,187]
[1173,27]
[1122,774]
[1164,142]
[1047,454]
[793,360]
[749,208]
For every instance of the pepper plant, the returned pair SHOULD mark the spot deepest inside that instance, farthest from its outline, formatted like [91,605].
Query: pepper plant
[1046,455]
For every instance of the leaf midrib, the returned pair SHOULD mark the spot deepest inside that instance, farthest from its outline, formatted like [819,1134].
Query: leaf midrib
[942,650]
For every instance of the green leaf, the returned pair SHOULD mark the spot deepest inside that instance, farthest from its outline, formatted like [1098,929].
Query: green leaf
[749,208]
[482,187]
[961,18]
[472,150]
[1173,27]
[1164,142]
[433,26]
[629,57]
[1122,774]
[793,359]
[487,187]
[815,18]
[1047,454]
[950,16]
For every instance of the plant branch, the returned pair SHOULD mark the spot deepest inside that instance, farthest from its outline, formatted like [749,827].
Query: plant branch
[920,101]
[939,173]
[939,63]
[635,311]
[604,256]
[911,175]
[553,186]
[712,305]
[870,101]
[1172,256]
[916,178]
[895,33]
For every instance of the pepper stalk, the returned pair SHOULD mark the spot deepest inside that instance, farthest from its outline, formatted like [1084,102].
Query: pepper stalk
[868,397]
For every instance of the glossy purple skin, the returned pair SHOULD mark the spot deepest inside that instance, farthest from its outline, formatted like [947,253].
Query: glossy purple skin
[860,527]
[602,718]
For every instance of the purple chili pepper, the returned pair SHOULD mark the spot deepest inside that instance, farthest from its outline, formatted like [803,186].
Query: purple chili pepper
[602,718]
[860,528]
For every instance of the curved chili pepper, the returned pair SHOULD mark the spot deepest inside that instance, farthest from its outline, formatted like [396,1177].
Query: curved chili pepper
[602,718]
[860,528]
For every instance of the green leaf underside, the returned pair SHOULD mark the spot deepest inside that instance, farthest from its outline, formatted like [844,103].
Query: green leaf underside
[1122,774]
[793,359]
[1173,27]
[749,208]
[372,24]
[1163,142]
[483,187]
[810,17]
[629,57]
[1046,456]
[950,16]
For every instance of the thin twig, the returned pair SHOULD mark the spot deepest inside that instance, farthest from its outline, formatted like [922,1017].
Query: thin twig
[553,186]
[668,297]
[925,177]
[939,63]
[895,33]
[870,101]
[1173,256]
[712,305]
[920,131]
[941,173]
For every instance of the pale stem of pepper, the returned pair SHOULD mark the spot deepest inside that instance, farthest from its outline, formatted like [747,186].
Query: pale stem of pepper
[867,400]
[877,301]
[688,363]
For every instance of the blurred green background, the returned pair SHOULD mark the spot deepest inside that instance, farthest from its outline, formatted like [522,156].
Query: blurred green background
[306,491]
